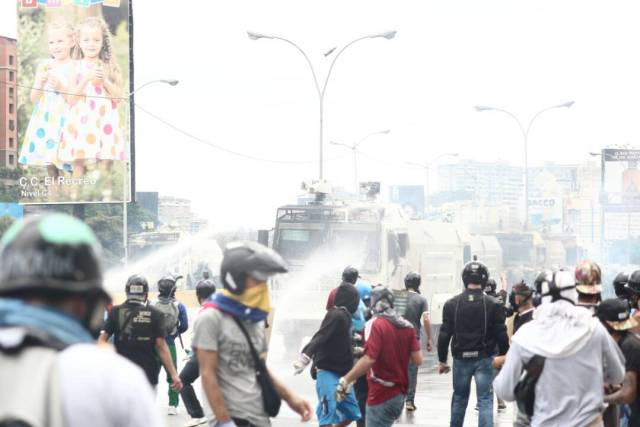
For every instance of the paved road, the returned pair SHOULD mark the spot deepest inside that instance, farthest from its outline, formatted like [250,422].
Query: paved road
[432,399]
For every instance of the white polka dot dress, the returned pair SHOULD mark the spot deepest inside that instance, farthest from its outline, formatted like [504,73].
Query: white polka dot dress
[42,137]
[93,130]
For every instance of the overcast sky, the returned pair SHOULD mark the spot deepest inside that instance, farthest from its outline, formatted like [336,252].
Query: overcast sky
[257,97]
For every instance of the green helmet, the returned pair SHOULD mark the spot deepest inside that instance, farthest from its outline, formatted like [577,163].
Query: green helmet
[50,253]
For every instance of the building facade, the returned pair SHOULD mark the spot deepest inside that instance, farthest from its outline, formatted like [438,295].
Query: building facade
[8,103]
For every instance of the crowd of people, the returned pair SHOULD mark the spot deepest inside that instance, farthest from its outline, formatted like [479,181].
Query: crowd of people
[564,355]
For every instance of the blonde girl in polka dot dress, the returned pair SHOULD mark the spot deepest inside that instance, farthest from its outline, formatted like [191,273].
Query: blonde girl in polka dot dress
[53,76]
[93,131]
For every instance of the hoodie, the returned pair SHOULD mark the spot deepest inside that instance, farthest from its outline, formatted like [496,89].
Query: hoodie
[580,358]
[330,347]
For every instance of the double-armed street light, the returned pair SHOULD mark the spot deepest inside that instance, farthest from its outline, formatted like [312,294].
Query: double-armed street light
[321,89]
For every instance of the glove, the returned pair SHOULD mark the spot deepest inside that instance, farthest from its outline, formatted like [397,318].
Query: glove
[342,390]
[229,423]
[301,363]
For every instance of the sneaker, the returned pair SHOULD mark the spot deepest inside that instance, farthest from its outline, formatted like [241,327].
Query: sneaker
[410,406]
[501,405]
[196,422]
[173,410]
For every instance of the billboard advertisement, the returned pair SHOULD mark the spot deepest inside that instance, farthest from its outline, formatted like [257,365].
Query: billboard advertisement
[410,197]
[546,213]
[621,176]
[73,103]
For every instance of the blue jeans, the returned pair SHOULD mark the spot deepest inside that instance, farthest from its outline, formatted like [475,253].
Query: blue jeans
[386,413]
[413,381]
[463,371]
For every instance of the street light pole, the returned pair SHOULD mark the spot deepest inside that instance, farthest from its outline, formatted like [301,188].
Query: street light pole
[354,148]
[525,137]
[125,168]
[321,89]
[427,167]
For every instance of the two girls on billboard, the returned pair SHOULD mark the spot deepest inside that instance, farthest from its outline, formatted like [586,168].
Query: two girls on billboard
[75,121]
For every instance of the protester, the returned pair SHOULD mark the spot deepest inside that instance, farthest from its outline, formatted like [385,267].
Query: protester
[589,285]
[138,332]
[226,357]
[360,387]
[417,312]
[349,275]
[204,289]
[575,358]
[390,342]
[176,323]
[51,307]
[331,350]
[474,323]
[614,315]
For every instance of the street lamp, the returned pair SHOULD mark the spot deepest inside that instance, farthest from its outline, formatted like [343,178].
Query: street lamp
[525,136]
[125,167]
[354,148]
[427,166]
[321,89]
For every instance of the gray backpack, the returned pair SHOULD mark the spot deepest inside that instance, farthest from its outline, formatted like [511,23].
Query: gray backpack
[170,315]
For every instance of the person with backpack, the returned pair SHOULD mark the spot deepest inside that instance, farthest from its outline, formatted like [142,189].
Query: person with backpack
[204,289]
[332,353]
[138,331]
[390,343]
[176,322]
[230,341]
[559,362]
[474,324]
[52,302]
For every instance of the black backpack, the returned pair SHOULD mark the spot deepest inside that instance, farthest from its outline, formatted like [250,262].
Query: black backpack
[525,390]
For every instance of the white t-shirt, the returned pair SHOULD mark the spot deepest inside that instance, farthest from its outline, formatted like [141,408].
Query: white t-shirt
[100,388]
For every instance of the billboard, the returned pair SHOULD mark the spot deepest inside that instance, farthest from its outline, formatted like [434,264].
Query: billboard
[410,197]
[73,100]
[621,176]
[546,213]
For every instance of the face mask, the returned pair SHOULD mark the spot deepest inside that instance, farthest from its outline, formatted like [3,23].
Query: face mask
[254,297]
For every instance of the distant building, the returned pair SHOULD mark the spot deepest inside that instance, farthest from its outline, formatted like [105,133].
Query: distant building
[176,212]
[8,104]
[488,184]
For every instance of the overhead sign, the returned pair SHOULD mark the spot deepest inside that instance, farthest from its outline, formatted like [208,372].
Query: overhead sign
[621,177]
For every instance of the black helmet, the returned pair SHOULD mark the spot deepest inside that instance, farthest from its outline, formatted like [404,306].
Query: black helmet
[412,280]
[167,285]
[205,288]
[634,282]
[381,292]
[620,285]
[54,255]
[522,290]
[242,259]
[491,286]
[137,287]
[350,275]
[49,254]
[475,272]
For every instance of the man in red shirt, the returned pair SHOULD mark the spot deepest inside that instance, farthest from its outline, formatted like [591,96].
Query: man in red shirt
[390,344]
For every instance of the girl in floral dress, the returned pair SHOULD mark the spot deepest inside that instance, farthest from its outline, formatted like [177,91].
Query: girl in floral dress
[49,92]
[93,132]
